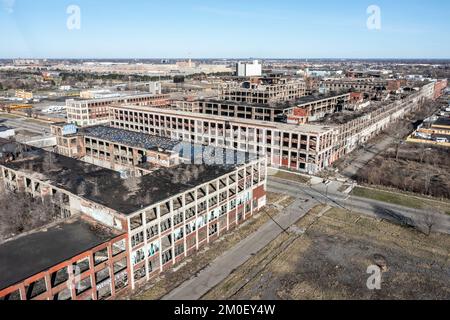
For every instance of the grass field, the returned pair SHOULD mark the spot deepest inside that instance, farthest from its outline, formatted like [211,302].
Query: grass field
[388,197]
[330,260]
[401,199]
[291,177]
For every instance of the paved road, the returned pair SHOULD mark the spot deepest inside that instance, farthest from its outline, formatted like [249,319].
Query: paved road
[224,265]
[22,123]
[306,198]
[364,156]
[373,208]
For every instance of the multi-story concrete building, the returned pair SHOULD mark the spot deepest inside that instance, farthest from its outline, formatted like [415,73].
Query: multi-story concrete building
[315,106]
[188,104]
[96,111]
[362,85]
[306,148]
[163,216]
[136,153]
[76,259]
[264,90]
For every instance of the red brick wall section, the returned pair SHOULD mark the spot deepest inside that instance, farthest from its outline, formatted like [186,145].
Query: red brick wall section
[51,292]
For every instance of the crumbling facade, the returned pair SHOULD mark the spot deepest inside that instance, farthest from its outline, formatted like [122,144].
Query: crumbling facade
[307,148]
[160,218]
[264,90]
[303,148]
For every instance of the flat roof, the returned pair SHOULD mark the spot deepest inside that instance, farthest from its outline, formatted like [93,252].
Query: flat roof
[107,187]
[186,150]
[303,128]
[130,138]
[281,105]
[31,254]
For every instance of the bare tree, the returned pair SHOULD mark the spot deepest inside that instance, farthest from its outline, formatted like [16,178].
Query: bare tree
[19,213]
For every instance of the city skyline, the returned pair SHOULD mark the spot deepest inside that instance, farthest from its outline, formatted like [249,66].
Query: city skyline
[198,29]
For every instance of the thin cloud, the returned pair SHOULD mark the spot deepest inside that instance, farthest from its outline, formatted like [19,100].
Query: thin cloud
[8,5]
[236,14]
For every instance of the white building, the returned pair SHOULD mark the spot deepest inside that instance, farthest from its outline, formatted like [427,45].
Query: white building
[245,69]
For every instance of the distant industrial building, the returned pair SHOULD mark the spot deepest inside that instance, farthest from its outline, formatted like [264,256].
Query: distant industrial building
[246,69]
[24,95]
[307,148]
[264,90]
[96,111]
[314,107]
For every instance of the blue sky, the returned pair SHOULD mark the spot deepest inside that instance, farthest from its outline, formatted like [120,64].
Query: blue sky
[225,29]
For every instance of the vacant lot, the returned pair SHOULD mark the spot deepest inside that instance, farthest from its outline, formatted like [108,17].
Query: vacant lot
[402,199]
[330,261]
[292,177]
[413,168]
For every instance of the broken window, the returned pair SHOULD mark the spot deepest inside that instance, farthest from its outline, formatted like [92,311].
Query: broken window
[138,256]
[121,280]
[100,256]
[118,247]
[120,265]
[153,248]
[83,286]
[223,196]
[178,218]
[136,222]
[153,265]
[178,234]
[201,193]
[102,275]
[58,277]
[165,208]
[137,239]
[190,213]
[166,242]
[81,266]
[202,207]
[165,225]
[104,290]
[178,203]
[63,295]
[213,229]
[151,215]
[139,273]
[12,296]
[166,257]
[152,231]
[190,227]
